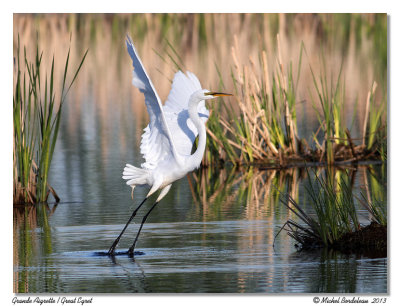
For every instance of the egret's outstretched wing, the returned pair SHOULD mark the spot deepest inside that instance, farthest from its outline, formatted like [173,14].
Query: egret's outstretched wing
[176,111]
[157,143]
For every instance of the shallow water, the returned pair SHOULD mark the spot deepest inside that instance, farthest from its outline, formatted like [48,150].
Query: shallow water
[222,245]
[213,232]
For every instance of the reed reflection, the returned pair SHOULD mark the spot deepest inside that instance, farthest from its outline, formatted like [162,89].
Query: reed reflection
[33,243]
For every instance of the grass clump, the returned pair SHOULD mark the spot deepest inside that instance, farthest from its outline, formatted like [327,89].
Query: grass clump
[264,127]
[257,133]
[334,223]
[36,122]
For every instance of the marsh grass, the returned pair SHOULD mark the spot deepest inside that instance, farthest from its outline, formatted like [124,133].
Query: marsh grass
[373,198]
[265,71]
[264,129]
[335,213]
[258,133]
[321,205]
[36,121]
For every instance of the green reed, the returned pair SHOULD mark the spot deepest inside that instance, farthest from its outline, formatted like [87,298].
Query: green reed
[37,116]
[375,132]
[257,132]
[260,125]
[373,199]
[331,99]
[264,128]
[334,207]
[334,204]
[335,212]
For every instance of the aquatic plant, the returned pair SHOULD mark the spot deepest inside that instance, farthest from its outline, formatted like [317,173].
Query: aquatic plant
[264,128]
[373,199]
[257,133]
[334,216]
[271,83]
[36,122]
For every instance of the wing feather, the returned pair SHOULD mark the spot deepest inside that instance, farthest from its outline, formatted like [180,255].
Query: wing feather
[157,142]
[170,130]
[176,112]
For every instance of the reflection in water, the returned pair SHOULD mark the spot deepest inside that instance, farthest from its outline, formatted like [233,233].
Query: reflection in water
[258,188]
[334,271]
[221,241]
[32,242]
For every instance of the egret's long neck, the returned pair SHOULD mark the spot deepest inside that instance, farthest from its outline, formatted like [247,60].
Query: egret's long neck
[197,156]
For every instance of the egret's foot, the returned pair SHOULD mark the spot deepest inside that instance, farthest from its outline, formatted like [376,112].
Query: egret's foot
[131,252]
[111,251]
[106,253]
[118,253]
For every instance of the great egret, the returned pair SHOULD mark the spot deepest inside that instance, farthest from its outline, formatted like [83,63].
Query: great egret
[168,139]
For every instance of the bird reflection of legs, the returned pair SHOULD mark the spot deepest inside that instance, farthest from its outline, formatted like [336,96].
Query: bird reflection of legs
[131,250]
[114,245]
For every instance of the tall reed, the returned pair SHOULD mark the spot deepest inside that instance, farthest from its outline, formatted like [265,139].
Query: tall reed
[37,116]
[203,41]
[257,132]
[264,128]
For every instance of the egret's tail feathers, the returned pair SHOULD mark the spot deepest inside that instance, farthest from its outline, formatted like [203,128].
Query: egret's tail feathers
[135,176]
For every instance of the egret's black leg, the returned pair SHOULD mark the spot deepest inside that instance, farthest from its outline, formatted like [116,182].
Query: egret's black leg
[112,248]
[132,248]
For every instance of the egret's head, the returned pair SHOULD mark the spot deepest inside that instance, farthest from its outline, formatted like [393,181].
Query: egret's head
[204,94]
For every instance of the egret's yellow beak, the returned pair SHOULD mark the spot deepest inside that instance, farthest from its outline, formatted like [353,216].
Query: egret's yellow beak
[217,94]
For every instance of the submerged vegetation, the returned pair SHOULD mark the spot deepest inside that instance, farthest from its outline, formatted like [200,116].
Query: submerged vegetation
[36,122]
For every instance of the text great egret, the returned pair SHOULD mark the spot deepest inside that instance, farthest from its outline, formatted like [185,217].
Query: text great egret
[168,139]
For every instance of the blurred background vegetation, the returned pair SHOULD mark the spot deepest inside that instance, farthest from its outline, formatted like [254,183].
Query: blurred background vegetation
[300,80]
[202,43]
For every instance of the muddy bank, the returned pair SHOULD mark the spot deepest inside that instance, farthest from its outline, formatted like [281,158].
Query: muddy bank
[368,239]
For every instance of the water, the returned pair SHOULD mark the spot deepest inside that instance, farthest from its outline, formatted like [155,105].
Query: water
[213,232]
[222,244]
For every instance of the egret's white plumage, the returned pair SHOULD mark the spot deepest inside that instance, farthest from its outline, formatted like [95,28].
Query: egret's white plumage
[176,111]
[168,139]
[157,140]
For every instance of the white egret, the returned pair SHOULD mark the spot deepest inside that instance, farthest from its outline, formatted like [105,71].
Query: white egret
[168,139]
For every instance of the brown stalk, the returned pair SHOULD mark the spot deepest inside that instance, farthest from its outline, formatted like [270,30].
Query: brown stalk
[353,153]
[265,72]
